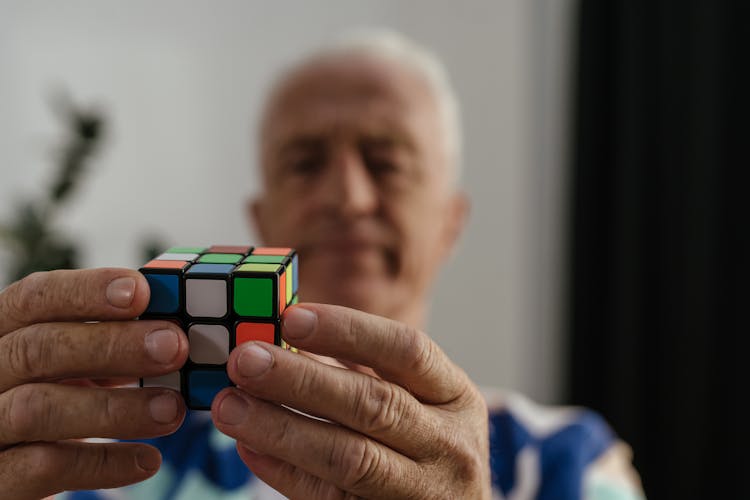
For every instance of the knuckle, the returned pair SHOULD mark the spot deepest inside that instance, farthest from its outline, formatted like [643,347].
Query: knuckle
[105,345]
[353,327]
[19,298]
[361,462]
[469,468]
[67,466]
[109,405]
[75,462]
[473,406]
[302,385]
[420,352]
[96,461]
[379,407]
[43,291]
[110,340]
[283,434]
[29,411]
[30,293]
[464,458]
[478,403]
[28,352]
[115,413]
[47,465]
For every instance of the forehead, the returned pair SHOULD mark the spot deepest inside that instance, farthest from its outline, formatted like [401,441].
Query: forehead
[350,94]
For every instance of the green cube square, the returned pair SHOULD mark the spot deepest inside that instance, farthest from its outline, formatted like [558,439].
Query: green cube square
[264,259]
[259,268]
[253,296]
[219,258]
[186,250]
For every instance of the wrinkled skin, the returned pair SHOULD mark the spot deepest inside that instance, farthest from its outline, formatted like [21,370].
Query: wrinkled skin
[415,428]
[58,379]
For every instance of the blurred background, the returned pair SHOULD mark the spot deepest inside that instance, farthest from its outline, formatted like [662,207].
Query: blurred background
[603,261]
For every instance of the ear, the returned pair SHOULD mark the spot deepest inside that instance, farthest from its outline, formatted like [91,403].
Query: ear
[458,209]
[256,217]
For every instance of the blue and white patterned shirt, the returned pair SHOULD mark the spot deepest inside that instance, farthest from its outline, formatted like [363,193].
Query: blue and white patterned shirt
[536,452]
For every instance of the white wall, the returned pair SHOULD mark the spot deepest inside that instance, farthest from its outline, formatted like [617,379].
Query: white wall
[181,81]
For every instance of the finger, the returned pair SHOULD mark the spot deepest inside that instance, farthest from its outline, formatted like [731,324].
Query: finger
[53,412]
[37,470]
[290,481]
[101,382]
[89,294]
[395,351]
[335,454]
[52,351]
[368,405]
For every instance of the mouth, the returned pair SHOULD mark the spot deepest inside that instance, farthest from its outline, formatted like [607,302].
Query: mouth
[360,253]
[346,246]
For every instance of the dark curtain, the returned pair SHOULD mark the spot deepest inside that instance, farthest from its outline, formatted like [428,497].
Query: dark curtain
[659,281]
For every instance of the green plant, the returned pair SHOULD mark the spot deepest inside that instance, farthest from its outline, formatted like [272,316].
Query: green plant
[30,236]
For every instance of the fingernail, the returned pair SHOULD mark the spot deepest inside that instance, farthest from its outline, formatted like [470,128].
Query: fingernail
[120,292]
[162,345]
[148,460]
[254,360]
[163,408]
[233,410]
[299,322]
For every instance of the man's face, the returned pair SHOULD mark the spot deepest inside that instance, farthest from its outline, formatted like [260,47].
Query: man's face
[357,180]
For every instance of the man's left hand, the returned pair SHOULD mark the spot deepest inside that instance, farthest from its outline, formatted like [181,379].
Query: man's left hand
[417,428]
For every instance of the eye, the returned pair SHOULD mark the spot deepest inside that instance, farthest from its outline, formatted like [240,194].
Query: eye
[382,161]
[304,163]
[381,166]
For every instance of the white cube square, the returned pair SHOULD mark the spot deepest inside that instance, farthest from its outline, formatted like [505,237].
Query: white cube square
[209,344]
[206,298]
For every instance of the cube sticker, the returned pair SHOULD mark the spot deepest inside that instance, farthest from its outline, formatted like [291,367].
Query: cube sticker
[248,331]
[203,386]
[220,258]
[223,296]
[186,250]
[243,250]
[253,297]
[209,344]
[165,281]
[177,256]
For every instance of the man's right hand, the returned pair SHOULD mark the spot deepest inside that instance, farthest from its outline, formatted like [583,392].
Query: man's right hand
[43,342]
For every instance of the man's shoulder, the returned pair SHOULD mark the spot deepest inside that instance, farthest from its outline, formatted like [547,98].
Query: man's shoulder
[541,451]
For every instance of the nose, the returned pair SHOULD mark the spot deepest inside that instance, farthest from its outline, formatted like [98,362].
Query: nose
[348,189]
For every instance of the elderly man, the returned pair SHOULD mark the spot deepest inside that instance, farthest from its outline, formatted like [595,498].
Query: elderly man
[359,148]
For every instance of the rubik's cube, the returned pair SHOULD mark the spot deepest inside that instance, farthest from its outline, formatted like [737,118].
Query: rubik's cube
[221,296]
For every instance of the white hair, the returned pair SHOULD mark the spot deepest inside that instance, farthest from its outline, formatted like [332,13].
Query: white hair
[395,47]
